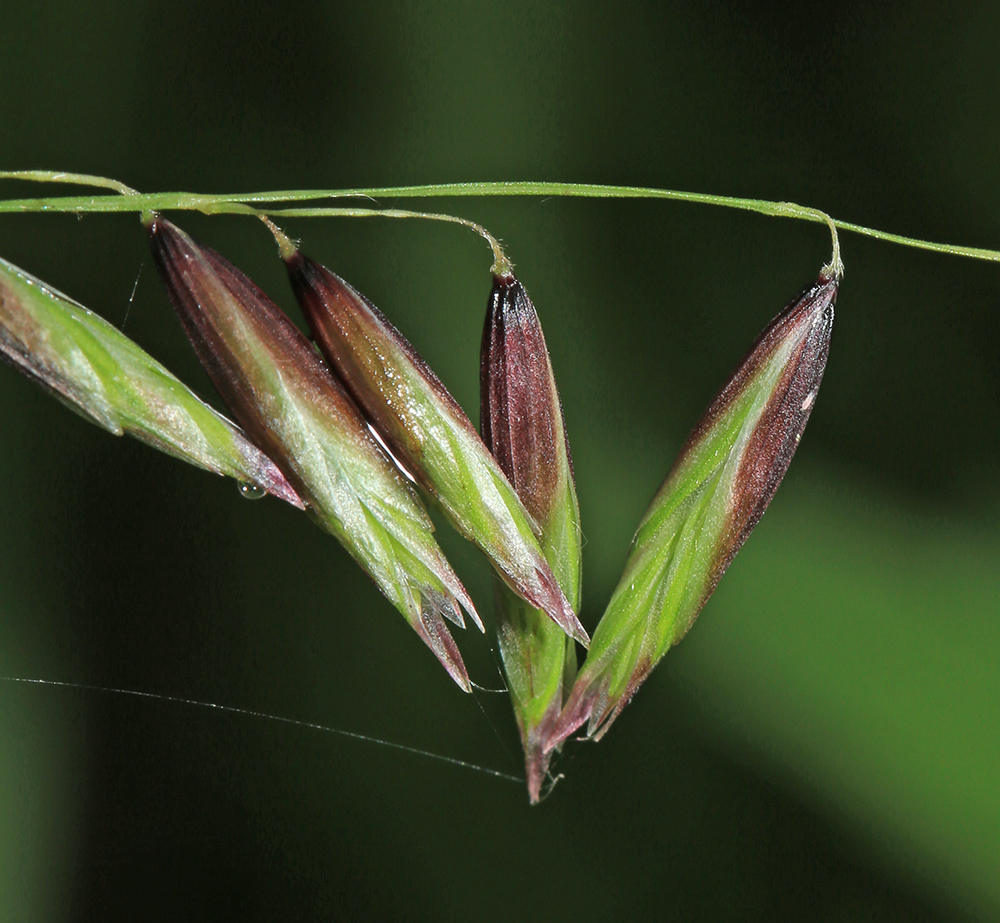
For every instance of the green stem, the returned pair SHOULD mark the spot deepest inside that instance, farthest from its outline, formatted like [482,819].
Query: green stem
[77,179]
[501,263]
[214,204]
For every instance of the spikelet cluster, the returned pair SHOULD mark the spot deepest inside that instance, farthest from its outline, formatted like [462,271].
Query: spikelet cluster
[358,431]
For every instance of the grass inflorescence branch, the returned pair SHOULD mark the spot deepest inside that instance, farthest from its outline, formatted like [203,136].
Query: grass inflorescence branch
[261,203]
[322,412]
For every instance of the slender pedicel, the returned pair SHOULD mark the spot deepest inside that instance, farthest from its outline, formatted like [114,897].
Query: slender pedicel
[97,371]
[522,424]
[426,429]
[716,492]
[293,408]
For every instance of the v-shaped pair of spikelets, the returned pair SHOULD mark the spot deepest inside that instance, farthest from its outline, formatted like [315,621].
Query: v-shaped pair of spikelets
[716,492]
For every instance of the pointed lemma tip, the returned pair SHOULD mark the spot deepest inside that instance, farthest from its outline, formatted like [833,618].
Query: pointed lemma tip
[461,680]
[574,628]
[464,601]
[456,672]
[575,713]
[456,669]
[567,620]
[536,766]
[434,633]
[561,732]
[284,491]
[548,596]
[471,610]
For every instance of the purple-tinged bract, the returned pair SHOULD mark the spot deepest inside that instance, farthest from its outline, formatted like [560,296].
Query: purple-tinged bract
[716,492]
[522,424]
[293,407]
[426,429]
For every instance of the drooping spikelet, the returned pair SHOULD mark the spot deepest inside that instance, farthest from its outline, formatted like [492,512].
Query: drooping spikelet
[291,405]
[100,373]
[716,492]
[522,424]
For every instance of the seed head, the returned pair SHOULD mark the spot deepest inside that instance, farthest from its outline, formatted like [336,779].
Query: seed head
[523,427]
[716,492]
[426,429]
[292,407]
[101,374]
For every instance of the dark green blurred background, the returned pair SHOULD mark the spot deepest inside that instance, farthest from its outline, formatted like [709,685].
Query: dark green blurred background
[824,745]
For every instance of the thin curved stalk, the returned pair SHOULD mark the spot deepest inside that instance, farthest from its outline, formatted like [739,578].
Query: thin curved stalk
[229,203]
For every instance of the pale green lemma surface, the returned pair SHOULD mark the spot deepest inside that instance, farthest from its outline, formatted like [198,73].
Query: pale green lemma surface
[97,371]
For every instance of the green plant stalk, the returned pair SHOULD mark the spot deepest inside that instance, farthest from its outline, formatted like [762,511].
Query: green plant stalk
[98,372]
[238,203]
